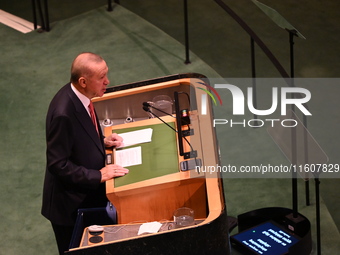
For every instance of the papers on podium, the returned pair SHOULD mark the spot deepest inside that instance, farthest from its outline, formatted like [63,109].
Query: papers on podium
[149,227]
[132,156]
[129,157]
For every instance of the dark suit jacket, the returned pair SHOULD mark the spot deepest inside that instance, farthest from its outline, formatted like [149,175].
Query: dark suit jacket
[75,154]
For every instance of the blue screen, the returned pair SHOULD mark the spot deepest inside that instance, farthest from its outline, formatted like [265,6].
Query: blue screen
[266,239]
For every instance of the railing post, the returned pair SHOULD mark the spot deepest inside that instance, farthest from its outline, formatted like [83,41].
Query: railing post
[47,16]
[186,32]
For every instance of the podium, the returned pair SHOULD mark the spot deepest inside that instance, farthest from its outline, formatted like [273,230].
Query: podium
[156,198]
[153,190]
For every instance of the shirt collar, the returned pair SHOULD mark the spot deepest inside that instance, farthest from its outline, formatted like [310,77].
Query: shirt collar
[85,100]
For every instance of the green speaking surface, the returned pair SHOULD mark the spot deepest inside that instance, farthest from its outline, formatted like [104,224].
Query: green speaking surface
[159,157]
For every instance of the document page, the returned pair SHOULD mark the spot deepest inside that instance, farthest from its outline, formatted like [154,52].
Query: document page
[136,137]
[129,157]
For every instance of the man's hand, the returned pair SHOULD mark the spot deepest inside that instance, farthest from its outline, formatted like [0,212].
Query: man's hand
[113,140]
[112,171]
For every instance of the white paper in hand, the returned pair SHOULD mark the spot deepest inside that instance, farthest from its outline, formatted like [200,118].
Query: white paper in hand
[136,137]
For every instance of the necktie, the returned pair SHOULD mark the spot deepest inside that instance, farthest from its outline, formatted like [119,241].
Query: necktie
[93,116]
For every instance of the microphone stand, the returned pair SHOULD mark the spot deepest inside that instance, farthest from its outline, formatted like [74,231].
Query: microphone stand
[145,108]
[318,218]
[180,135]
[281,22]
[146,104]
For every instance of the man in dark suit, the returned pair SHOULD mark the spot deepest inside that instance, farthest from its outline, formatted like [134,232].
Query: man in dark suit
[76,172]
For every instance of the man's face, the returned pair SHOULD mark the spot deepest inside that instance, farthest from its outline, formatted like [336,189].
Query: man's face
[96,83]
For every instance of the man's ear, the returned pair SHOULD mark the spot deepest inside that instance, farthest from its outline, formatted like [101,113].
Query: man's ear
[82,82]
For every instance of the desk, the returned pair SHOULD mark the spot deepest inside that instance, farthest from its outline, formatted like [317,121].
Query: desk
[120,232]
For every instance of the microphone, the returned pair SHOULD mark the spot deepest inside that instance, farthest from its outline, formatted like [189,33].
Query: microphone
[192,153]
[145,108]
[148,105]
[184,165]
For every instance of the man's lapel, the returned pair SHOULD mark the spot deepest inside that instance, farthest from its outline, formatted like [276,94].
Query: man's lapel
[85,120]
